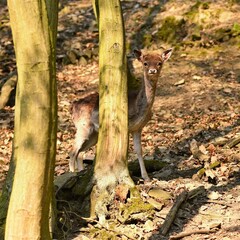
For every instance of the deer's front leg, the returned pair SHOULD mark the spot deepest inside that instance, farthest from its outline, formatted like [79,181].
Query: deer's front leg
[138,150]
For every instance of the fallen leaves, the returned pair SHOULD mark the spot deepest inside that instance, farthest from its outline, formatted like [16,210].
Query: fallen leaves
[194,126]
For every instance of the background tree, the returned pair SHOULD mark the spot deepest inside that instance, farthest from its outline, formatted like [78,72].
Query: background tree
[34,28]
[111,159]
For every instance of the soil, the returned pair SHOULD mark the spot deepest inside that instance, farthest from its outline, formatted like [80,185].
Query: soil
[196,117]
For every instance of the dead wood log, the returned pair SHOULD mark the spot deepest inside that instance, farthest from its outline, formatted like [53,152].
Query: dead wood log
[8,84]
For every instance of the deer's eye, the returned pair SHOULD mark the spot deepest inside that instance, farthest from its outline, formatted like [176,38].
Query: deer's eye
[159,64]
[145,64]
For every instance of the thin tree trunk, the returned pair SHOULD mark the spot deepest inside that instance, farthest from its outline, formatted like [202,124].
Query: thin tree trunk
[111,158]
[34,33]
[5,196]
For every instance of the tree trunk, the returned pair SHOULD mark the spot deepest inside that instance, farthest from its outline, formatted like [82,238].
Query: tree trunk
[111,158]
[34,28]
[5,196]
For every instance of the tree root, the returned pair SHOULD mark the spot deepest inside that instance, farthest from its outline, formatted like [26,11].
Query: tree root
[104,191]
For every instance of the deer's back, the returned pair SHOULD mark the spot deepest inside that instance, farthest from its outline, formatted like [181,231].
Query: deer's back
[83,108]
[85,111]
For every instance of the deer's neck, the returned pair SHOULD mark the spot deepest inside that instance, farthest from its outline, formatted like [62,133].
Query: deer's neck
[146,94]
[140,109]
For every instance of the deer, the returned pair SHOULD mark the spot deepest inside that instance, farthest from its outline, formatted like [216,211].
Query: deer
[85,111]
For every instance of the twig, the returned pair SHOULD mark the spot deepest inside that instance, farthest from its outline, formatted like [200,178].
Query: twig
[217,202]
[233,142]
[172,213]
[185,234]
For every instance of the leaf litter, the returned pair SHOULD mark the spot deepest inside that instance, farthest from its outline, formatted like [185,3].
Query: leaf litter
[196,116]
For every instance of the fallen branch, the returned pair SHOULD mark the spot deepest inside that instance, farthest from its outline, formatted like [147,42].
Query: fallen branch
[173,212]
[185,234]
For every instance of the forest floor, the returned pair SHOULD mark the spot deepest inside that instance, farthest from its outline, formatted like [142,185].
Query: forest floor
[194,125]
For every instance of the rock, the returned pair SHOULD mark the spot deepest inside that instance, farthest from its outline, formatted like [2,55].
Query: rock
[227,90]
[159,194]
[180,82]
[67,180]
[72,57]
[82,61]
[214,195]
[214,225]
[148,158]
[95,51]
[183,55]
[87,53]
[196,77]
[76,45]
[155,203]
[149,226]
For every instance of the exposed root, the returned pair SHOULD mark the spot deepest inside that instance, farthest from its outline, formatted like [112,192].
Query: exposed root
[104,191]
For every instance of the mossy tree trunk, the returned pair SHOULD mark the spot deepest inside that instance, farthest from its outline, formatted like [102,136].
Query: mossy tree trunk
[34,29]
[111,158]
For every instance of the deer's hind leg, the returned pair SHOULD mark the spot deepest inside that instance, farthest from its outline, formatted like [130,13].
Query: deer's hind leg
[85,138]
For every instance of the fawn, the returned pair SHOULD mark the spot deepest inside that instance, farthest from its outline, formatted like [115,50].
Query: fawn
[85,111]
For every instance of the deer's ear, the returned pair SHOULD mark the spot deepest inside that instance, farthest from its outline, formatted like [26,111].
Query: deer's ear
[167,54]
[137,54]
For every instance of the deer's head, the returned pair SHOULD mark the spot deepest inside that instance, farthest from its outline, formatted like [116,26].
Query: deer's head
[152,61]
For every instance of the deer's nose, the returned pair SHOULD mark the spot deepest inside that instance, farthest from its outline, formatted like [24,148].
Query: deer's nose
[152,71]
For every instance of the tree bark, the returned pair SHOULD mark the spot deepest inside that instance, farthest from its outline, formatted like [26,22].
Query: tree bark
[34,28]
[111,158]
